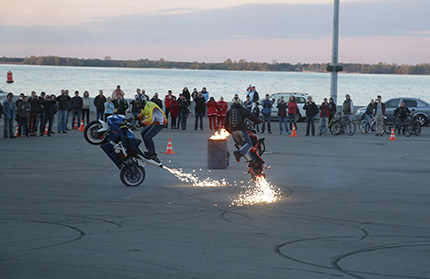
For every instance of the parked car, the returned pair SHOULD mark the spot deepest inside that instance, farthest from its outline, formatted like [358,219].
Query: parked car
[300,98]
[420,110]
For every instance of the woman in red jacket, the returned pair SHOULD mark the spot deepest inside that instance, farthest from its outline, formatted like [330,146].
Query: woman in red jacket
[212,113]
[222,109]
[292,112]
[174,112]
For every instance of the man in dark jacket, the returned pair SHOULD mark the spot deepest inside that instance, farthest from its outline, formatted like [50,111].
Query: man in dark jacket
[49,105]
[311,110]
[199,110]
[99,103]
[63,109]
[34,112]
[234,123]
[121,106]
[156,100]
[76,105]
[266,111]
[401,113]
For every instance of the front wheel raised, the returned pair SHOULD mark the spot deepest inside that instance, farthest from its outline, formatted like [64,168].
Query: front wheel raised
[132,176]
[92,135]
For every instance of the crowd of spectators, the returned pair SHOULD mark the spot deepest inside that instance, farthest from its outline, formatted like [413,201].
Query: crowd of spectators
[34,115]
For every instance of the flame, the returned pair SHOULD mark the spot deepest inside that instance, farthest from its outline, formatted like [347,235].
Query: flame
[260,193]
[220,135]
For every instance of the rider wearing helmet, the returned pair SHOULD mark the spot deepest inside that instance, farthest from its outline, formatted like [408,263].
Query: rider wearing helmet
[154,119]
[234,123]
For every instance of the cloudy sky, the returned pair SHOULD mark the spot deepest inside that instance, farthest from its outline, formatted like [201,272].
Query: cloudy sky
[391,31]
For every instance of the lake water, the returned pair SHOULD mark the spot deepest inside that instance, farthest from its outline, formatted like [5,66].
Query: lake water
[361,87]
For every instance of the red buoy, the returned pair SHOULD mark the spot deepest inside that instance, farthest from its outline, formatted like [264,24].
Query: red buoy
[9,77]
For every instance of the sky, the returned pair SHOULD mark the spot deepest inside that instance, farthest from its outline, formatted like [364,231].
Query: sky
[371,31]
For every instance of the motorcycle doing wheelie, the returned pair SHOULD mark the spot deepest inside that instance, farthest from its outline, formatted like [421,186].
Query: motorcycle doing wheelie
[256,165]
[119,143]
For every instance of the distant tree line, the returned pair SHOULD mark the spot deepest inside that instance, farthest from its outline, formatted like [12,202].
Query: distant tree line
[241,65]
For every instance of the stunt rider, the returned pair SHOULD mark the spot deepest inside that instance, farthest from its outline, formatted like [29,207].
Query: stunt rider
[154,119]
[234,123]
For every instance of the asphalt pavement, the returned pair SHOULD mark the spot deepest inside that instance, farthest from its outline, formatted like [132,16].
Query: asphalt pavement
[351,207]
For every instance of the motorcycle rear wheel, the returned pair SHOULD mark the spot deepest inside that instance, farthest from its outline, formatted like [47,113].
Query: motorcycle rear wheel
[132,175]
[92,136]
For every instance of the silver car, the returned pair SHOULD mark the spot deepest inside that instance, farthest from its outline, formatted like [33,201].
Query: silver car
[420,110]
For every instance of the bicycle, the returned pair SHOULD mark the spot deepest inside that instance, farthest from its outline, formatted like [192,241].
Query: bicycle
[336,116]
[409,127]
[371,126]
[344,124]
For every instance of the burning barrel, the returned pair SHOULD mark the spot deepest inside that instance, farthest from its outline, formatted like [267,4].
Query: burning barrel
[218,151]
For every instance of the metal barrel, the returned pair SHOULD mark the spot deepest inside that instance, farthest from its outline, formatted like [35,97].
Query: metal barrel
[217,154]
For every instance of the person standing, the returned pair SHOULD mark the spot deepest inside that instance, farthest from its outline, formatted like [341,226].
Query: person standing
[205,94]
[69,108]
[86,107]
[109,108]
[23,112]
[212,113]
[282,115]
[267,110]
[135,109]
[63,108]
[401,113]
[174,113]
[121,106]
[76,105]
[333,108]
[256,111]
[183,111]
[33,114]
[248,104]
[379,116]
[311,110]
[117,93]
[292,112]
[348,107]
[199,110]
[324,116]
[9,111]
[41,115]
[99,103]
[157,101]
[186,94]
[49,106]
[369,114]
[167,102]
[253,95]
[221,111]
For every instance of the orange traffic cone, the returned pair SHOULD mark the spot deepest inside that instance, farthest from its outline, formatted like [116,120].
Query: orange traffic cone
[46,130]
[75,127]
[81,128]
[169,149]
[16,131]
[392,136]
[293,133]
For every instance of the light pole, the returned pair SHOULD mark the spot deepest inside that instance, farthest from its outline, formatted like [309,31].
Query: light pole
[335,67]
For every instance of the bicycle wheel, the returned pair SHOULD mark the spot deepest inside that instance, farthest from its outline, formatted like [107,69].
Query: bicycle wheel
[363,128]
[417,128]
[389,127]
[409,127]
[350,128]
[336,127]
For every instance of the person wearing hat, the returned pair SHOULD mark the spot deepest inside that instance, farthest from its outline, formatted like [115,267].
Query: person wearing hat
[9,109]
[234,123]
